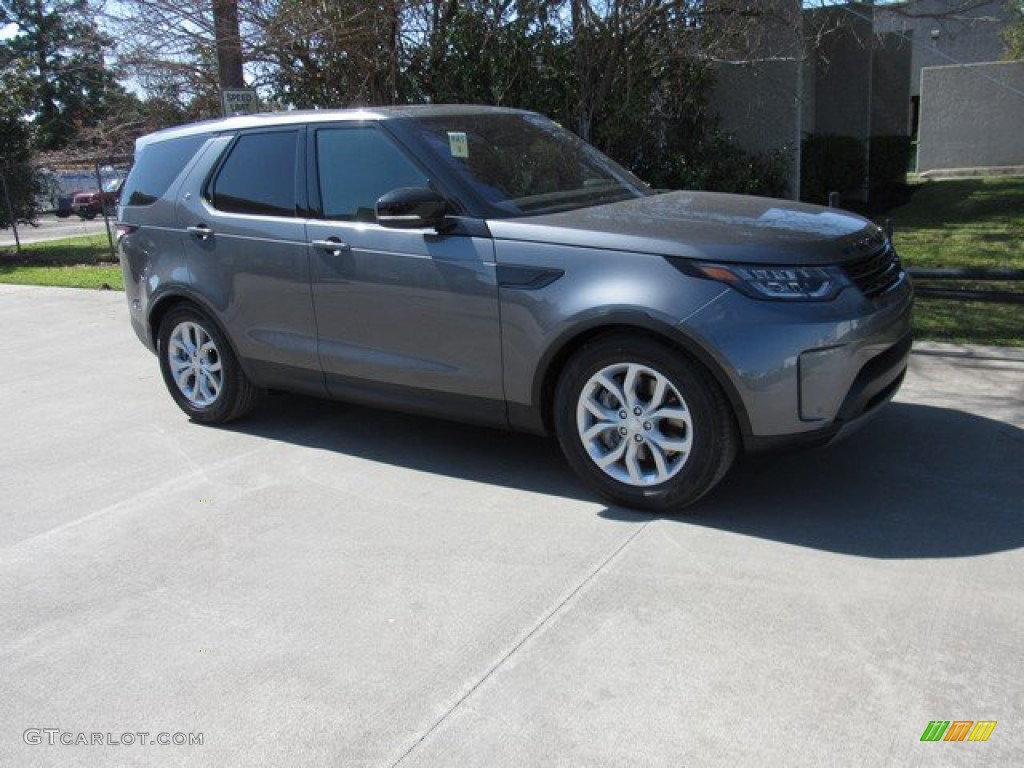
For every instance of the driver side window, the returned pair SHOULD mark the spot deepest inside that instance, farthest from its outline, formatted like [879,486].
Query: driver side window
[355,167]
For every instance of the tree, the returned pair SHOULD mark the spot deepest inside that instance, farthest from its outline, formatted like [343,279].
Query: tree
[61,54]
[330,54]
[24,184]
[113,137]
[168,48]
[513,54]
[631,76]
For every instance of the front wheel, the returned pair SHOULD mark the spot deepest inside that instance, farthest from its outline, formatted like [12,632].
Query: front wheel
[200,369]
[642,424]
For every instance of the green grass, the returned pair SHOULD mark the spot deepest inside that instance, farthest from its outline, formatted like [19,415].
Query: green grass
[84,276]
[969,322]
[965,223]
[78,262]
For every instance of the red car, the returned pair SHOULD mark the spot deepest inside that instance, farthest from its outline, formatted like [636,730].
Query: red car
[90,204]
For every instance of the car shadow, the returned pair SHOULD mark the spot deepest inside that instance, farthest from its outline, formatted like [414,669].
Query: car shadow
[916,482]
[482,454]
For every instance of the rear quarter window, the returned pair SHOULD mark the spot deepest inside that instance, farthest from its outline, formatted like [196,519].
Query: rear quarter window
[258,176]
[156,167]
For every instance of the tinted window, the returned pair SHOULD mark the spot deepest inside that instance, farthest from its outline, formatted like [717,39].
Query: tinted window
[525,164]
[259,176]
[156,166]
[357,166]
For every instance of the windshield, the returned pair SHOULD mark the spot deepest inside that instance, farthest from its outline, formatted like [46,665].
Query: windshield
[524,164]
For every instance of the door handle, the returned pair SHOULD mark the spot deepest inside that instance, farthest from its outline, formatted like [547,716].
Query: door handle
[332,245]
[200,232]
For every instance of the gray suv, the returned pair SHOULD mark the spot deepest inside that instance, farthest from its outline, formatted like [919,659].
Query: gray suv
[485,265]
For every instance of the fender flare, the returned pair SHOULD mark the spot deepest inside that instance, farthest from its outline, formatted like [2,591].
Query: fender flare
[566,343]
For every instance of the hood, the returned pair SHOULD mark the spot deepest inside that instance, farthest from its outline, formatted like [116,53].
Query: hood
[706,225]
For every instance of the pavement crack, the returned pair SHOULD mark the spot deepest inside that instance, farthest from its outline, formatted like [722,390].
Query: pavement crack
[544,621]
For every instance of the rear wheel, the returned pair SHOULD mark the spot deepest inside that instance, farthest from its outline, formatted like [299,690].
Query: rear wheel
[200,369]
[642,424]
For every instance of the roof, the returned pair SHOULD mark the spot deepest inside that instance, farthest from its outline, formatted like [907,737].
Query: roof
[303,117]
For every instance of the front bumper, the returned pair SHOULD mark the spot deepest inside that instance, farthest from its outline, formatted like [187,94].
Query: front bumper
[875,385]
[803,373]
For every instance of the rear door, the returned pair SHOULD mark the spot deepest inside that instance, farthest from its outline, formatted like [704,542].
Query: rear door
[407,318]
[246,251]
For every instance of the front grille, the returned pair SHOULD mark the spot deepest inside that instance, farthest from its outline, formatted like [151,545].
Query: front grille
[877,273]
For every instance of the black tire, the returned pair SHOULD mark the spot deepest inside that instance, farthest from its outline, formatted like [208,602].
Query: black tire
[236,395]
[711,429]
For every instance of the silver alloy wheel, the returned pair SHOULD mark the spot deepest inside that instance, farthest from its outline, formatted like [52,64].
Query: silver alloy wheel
[195,364]
[634,424]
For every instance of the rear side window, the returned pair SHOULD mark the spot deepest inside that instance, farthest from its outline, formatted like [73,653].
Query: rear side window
[259,176]
[156,167]
[356,166]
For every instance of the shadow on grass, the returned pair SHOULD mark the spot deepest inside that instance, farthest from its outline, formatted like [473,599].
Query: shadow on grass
[962,202]
[969,322]
[917,482]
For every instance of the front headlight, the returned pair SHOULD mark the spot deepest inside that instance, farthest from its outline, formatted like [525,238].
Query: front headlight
[776,283]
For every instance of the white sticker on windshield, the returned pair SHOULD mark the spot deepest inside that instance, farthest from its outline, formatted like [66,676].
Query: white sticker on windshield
[458,144]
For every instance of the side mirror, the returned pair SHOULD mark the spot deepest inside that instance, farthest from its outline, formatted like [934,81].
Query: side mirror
[411,208]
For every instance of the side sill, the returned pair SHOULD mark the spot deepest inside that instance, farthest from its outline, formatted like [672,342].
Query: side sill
[442,405]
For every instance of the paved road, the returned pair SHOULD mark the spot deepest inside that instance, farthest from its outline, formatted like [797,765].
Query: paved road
[326,585]
[51,228]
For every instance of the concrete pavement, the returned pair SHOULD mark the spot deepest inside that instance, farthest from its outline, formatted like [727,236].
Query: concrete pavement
[325,585]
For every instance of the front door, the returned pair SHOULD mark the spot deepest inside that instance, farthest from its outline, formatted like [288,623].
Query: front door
[407,318]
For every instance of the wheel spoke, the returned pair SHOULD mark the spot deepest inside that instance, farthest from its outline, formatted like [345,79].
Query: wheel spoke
[598,410]
[659,460]
[189,339]
[178,365]
[612,456]
[633,463]
[629,386]
[176,349]
[181,379]
[597,429]
[671,444]
[674,413]
[613,388]
[212,384]
[660,388]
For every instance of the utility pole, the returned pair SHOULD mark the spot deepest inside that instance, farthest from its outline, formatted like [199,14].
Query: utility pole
[229,43]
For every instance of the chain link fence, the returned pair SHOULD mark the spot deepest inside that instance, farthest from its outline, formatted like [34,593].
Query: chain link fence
[87,186]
